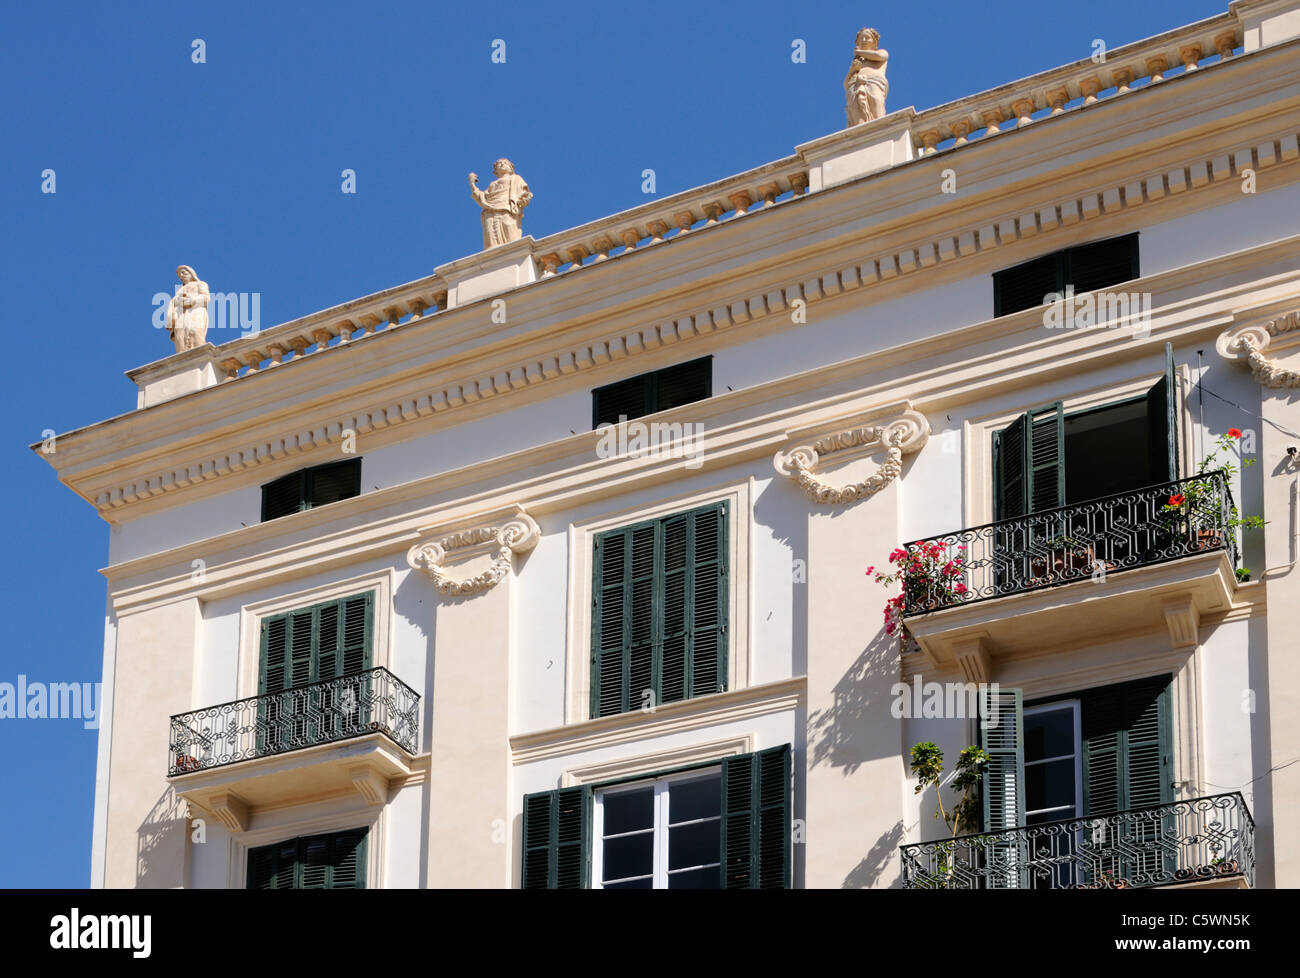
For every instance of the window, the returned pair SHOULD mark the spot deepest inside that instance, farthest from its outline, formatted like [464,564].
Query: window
[727,825]
[301,653]
[661,835]
[1105,751]
[308,488]
[336,861]
[1085,267]
[658,390]
[659,617]
[1053,772]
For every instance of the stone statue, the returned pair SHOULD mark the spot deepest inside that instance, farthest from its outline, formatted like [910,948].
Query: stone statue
[187,313]
[865,86]
[503,204]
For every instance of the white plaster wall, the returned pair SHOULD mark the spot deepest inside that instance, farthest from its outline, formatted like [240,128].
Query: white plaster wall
[1230,691]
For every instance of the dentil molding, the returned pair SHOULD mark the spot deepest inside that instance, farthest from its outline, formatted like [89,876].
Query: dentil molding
[1249,342]
[903,435]
[516,534]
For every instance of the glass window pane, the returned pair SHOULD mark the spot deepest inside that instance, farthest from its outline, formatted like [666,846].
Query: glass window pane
[696,879]
[1049,785]
[693,799]
[627,811]
[645,884]
[629,855]
[1049,734]
[694,845]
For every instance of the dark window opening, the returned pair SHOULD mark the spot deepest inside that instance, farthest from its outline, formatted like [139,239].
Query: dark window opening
[648,393]
[1085,267]
[308,488]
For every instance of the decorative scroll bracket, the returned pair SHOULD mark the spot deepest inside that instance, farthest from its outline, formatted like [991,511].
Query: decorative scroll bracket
[903,435]
[1249,342]
[517,534]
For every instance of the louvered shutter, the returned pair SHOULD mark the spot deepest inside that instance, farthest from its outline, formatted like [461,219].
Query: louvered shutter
[283,496]
[624,400]
[756,820]
[1095,265]
[707,591]
[659,611]
[335,861]
[1010,464]
[1026,285]
[1162,424]
[1127,764]
[685,383]
[1002,795]
[334,482]
[557,839]
[1046,473]
[1127,739]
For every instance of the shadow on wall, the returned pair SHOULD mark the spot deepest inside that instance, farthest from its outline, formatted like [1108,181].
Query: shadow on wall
[857,727]
[866,874]
[160,844]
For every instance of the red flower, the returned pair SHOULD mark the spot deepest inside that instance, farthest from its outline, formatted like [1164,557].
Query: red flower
[870,569]
[1177,499]
[1234,432]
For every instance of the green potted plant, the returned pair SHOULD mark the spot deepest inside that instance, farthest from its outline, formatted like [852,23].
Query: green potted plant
[1195,511]
[964,816]
[1065,555]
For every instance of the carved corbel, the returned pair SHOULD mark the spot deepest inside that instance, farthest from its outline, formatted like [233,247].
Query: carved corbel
[516,535]
[1248,343]
[903,435]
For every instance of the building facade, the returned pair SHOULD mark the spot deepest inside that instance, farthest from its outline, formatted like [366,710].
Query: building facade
[551,568]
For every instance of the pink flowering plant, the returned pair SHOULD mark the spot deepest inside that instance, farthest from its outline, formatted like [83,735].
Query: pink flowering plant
[931,577]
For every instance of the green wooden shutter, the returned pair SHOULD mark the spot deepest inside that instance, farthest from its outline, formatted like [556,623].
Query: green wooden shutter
[1046,471]
[557,839]
[1010,463]
[1127,746]
[1002,795]
[708,592]
[1162,424]
[284,495]
[756,820]
[1127,764]
[659,611]
[1002,736]
[334,861]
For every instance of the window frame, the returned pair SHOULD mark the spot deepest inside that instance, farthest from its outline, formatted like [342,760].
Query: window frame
[650,390]
[307,487]
[741,583]
[1064,271]
[660,825]
[1074,705]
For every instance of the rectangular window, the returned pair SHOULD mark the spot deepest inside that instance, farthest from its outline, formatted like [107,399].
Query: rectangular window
[648,393]
[335,861]
[304,655]
[1053,768]
[660,835]
[659,615]
[1085,267]
[722,825]
[308,488]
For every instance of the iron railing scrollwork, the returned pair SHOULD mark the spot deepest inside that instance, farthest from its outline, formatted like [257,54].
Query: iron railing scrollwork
[1158,845]
[1078,542]
[371,701]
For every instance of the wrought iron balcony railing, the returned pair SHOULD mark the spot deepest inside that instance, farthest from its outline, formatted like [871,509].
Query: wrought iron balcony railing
[1071,543]
[1159,845]
[373,701]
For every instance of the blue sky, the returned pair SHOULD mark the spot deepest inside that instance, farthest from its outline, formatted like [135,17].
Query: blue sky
[233,166]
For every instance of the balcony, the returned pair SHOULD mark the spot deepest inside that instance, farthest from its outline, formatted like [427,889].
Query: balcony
[353,733]
[1203,842]
[1160,557]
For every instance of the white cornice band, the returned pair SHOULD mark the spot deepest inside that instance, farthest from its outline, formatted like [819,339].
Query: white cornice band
[905,434]
[517,535]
